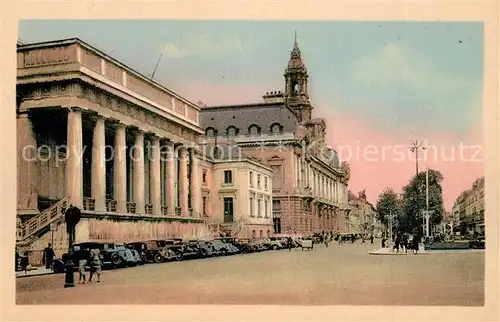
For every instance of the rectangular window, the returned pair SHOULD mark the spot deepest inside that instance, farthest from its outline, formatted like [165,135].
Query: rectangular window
[228,209]
[258,181]
[277,225]
[277,176]
[204,176]
[266,208]
[251,179]
[228,177]
[204,206]
[265,182]
[259,208]
[251,206]
[276,205]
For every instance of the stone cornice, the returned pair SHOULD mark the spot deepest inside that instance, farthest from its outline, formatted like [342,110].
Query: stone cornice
[112,90]
[102,54]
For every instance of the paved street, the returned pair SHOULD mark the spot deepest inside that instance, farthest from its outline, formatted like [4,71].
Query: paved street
[338,275]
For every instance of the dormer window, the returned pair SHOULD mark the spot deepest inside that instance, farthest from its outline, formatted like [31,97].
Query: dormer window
[232,131]
[210,131]
[276,129]
[254,130]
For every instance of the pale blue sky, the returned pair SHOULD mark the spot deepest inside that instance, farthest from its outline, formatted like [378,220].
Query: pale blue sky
[395,74]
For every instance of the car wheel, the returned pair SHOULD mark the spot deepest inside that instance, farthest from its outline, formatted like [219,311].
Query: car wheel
[179,257]
[223,252]
[58,267]
[116,260]
[158,258]
[275,247]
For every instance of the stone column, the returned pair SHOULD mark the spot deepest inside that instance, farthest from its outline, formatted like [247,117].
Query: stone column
[138,176]
[171,178]
[195,184]
[98,172]
[74,154]
[120,169]
[183,180]
[155,176]
[27,166]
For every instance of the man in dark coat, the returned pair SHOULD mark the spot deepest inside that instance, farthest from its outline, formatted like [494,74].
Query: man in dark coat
[48,256]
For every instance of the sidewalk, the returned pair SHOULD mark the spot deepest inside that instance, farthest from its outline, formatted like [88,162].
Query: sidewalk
[35,271]
[387,251]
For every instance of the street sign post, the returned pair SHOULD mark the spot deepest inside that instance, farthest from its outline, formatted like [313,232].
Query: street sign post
[52,227]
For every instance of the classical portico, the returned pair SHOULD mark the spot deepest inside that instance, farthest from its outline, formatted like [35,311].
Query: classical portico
[106,139]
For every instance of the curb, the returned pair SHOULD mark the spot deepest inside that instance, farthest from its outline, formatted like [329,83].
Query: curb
[33,275]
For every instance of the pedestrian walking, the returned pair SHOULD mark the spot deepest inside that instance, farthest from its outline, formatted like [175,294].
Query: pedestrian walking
[290,243]
[371,239]
[326,242]
[48,256]
[82,259]
[416,240]
[95,264]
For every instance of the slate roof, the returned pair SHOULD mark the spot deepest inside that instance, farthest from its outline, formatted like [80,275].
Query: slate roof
[242,116]
[227,152]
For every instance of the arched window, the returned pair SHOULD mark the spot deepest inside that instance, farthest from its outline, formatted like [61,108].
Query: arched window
[210,131]
[232,131]
[276,128]
[253,130]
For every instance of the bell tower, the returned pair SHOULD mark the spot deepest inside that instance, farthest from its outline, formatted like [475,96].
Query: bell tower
[296,96]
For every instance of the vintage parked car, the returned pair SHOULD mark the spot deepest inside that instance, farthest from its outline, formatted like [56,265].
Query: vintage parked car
[257,245]
[170,249]
[111,256]
[223,248]
[133,257]
[149,251]
[207,249]
[273,244]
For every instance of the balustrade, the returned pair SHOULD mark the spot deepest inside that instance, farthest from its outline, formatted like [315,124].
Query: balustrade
[131,207]
[111,205]
[88,204]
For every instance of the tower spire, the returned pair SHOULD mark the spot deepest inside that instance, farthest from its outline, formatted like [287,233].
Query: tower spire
[295,50]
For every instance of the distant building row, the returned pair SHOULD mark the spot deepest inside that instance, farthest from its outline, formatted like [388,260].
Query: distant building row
[468,210]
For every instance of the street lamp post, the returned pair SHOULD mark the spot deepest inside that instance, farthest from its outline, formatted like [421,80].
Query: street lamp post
[71,217]
[415,147]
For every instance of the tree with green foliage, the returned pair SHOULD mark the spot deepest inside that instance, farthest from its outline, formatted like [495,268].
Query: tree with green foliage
[414,201]
[389,203]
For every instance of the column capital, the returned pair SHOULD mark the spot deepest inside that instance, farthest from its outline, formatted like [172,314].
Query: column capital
[115,123]
[152,136]
[95,116]
[74,109]
[135,130]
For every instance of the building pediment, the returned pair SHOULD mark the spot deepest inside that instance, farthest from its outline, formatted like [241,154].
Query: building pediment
[275,158]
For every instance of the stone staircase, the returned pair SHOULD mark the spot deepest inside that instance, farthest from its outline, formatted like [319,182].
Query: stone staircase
[36,227]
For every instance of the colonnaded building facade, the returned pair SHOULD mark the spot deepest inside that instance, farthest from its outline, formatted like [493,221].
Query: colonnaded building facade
[96,134]
[309,183]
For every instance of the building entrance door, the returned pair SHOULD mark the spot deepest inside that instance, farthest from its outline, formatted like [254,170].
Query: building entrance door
[228,209]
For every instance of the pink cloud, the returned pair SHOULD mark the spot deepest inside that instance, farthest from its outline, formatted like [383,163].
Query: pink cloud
[380,157]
